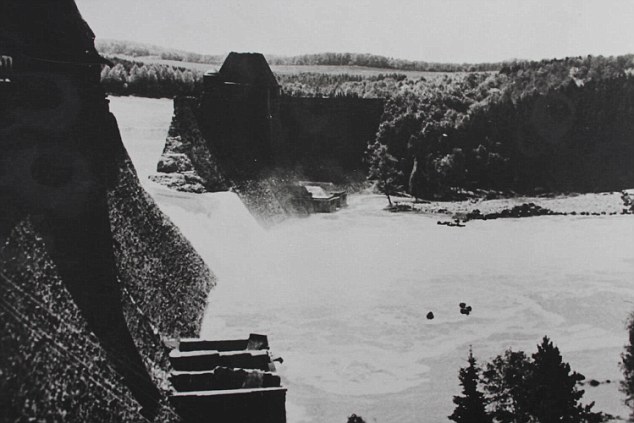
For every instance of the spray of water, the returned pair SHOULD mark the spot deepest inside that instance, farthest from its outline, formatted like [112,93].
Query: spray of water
[344,296]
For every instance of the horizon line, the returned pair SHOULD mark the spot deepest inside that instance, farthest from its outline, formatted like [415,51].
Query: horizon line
[277,55]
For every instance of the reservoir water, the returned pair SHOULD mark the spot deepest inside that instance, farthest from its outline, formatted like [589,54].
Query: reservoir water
[343,297]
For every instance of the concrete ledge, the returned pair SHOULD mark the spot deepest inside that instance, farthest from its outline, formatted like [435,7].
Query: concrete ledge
[260,405]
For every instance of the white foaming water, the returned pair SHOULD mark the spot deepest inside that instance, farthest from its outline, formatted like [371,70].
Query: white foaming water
[343,297]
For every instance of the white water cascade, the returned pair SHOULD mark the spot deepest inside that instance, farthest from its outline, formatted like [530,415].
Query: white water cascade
[343,297]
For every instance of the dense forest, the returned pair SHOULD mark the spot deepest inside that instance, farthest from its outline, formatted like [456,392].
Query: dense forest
[551,126]
[154,80]
[313,84]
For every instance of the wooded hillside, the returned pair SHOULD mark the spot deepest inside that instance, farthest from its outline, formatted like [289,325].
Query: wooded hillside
[557,125]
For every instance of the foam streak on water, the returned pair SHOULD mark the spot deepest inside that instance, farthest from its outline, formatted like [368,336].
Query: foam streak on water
[343,297]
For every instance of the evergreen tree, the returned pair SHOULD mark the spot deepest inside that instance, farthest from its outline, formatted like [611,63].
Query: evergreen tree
[552,393]
[504,380]
[470,407]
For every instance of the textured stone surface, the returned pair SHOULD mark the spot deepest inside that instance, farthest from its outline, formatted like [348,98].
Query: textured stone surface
[52,367]
[175,163]
[187,164]
[155,262]
[93,275]
[186,181]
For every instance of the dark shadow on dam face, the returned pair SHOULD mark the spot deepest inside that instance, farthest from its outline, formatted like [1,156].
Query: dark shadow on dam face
[59,145]
[252,126]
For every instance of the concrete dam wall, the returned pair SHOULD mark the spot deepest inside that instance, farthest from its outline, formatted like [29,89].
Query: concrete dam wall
[251,131]
[327,137]
[94,277]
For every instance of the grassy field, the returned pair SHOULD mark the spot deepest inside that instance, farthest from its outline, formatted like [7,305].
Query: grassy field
[355,70]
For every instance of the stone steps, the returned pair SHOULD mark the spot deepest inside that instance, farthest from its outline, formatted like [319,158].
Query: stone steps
[231,381]
[207,360]
[254,342]
[223,378]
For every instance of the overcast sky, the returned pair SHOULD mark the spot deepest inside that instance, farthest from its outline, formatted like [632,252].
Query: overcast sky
[431,30]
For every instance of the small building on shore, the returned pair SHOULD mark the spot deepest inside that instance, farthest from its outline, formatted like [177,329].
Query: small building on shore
[314,197]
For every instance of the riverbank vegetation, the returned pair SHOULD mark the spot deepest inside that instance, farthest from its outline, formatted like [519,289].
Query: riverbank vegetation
[550,126]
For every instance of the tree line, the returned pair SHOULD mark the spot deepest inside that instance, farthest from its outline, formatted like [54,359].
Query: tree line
[134,49]
[377,61]
[154,80]
[559,125]
[314,84]
[517,388]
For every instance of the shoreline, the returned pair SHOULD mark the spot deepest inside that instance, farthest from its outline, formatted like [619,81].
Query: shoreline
[592,204]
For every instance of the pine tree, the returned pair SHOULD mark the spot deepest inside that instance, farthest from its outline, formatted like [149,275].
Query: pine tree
[470,408]
[504,380]
[553,395]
